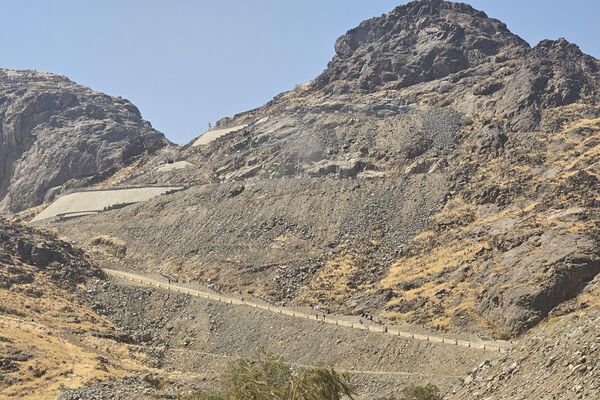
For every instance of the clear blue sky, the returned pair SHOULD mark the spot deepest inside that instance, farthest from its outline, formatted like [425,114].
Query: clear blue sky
[187,62]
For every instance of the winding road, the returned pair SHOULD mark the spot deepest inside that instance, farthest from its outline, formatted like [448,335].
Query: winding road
[487,345]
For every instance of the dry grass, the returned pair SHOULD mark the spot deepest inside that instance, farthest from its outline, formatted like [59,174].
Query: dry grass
[121,175]
[332,283]
[55,329]
[427,265]
[58,363]
[113,245]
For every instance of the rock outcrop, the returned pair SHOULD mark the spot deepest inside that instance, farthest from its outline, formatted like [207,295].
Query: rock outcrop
[53,131]
[26,252]
[418,42]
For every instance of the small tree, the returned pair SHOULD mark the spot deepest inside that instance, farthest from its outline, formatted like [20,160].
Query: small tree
[271,378]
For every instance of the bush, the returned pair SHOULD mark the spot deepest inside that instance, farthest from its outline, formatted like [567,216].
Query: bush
[427,392]
[271,378]
[268,377]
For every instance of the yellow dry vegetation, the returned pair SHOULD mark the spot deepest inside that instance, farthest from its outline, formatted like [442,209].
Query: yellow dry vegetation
[427,265]
[416,279]
[55,330]
[58,363]
[331,283]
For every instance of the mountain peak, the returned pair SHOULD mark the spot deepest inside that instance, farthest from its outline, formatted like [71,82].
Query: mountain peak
[561,48]
[417,42]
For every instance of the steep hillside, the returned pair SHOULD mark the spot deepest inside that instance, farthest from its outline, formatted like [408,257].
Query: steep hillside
[558,360]
[440,171]
[56,133]
[50,337]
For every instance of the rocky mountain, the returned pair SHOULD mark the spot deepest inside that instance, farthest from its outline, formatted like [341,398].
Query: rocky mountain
[55,133]
[440,171]
[440,174]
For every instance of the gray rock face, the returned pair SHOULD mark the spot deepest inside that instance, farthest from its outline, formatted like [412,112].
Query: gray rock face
[24,250]
[546,271]
[417,42]
[469,59]
[53,130]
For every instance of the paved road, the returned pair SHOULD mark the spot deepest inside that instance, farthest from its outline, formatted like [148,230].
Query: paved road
[498,346]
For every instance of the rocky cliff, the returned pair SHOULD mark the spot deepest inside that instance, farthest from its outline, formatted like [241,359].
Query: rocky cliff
[53,131]
[440,171]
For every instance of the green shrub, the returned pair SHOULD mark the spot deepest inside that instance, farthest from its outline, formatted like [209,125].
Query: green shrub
[427,392]
[271,378]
